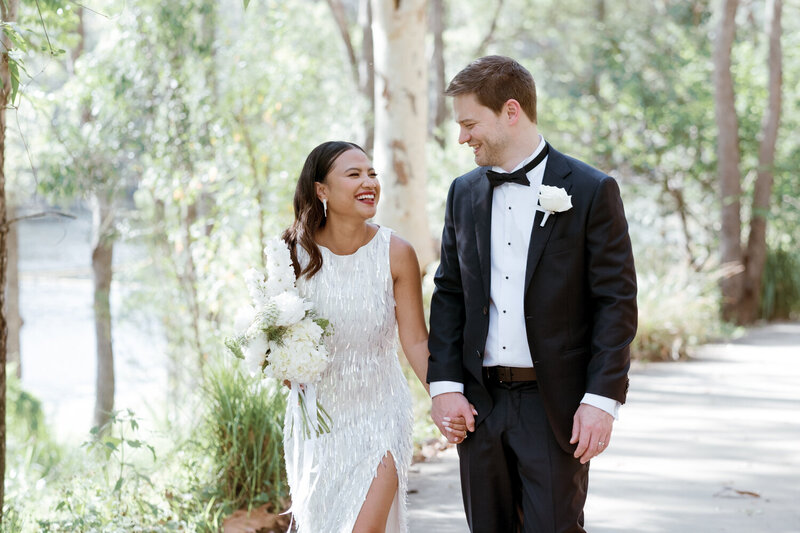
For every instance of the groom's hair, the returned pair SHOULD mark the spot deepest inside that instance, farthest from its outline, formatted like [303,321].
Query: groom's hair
[494,80]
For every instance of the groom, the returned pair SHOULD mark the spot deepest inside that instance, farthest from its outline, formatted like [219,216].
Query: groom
[532,314]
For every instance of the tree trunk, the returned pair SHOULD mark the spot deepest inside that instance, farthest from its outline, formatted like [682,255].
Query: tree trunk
[728,162]
[401,124]
[102,255]
[439,83]
[190,282]
[757,241]
[8,10]
[366,71]
[12,291]
[361,67]
[339,15]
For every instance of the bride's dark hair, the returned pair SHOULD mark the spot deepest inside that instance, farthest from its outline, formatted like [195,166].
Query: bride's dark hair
[308,213]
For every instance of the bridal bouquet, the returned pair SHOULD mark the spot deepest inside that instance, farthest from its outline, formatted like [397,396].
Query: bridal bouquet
[280,335]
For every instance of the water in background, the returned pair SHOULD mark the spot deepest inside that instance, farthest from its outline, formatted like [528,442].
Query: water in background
[57,338]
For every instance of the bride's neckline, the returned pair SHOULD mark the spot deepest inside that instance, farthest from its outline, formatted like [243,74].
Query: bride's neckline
[357,249]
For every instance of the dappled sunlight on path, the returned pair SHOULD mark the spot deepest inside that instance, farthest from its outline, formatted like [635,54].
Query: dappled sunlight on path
[707,445]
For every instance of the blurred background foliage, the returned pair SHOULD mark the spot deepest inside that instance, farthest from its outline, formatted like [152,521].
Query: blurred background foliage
[190,119]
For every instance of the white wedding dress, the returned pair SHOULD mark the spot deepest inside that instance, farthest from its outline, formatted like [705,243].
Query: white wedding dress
[363,390]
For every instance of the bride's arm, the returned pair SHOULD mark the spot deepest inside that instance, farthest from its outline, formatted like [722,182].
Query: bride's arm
[408,306]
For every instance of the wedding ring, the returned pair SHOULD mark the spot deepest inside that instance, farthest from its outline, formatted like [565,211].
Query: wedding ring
[601,444]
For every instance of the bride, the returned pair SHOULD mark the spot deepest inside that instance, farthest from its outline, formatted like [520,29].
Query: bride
[366,281]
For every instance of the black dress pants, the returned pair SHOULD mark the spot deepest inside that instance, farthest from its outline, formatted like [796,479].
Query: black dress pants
[515,478]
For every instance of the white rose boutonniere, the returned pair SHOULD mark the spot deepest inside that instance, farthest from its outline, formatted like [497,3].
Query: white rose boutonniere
[553,200]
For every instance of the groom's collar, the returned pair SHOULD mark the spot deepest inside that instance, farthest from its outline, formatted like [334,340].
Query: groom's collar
[539,148]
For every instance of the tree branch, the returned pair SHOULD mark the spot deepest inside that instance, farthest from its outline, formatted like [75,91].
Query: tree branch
[337,8]
[481,50]
[41,215]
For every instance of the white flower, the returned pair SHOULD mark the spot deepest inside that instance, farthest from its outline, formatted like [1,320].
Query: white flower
[291,308]
[256,286]
[299,364]
[553,200]
[280,273]
[305,331]
[255,352]
[244,317]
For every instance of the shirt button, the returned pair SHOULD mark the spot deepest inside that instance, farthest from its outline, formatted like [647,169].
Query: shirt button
[504,347]
[506,277]
[504,310]
[509,244]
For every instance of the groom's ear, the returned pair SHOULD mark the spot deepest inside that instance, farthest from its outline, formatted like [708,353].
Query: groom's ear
[511,111]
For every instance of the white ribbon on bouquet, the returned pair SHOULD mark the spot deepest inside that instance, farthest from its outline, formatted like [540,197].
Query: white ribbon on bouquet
[303,448]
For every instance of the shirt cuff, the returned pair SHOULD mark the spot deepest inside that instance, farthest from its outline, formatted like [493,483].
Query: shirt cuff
[608,405]
[441,387]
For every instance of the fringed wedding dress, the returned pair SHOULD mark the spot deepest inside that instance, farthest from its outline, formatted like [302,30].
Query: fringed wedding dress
[363,390]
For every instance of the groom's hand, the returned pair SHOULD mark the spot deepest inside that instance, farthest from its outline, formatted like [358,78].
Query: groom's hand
[591,429]
[447,408]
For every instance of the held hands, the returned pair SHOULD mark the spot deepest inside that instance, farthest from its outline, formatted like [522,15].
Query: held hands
[453,415]
[591,429]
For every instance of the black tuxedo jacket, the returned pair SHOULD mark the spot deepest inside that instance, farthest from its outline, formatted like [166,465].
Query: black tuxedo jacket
[580,293]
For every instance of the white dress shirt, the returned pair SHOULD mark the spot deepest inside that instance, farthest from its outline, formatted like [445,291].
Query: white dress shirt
[513,210]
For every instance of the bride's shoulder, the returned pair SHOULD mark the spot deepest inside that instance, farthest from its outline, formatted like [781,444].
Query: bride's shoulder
[402,256]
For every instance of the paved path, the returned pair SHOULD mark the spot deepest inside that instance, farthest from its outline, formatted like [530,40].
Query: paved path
[709,445]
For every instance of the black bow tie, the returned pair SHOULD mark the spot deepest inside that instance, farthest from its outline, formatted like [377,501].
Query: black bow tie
[519,175]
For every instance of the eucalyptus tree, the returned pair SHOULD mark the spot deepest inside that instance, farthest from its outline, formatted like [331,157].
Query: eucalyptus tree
[8,10]
[231,115]
[741,286]
[91,156]
[401,119]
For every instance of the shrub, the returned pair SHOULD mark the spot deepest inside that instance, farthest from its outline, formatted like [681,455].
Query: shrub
[780,290]
[243,426]
[678,309]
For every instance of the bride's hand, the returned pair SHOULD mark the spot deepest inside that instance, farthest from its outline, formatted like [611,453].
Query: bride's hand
[456,427]
[288,383]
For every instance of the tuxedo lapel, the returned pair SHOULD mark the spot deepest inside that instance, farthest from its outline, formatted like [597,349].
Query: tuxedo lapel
[482,215]
[555,173]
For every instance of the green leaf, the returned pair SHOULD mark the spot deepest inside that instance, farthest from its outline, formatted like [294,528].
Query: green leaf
[246,3]
[235,347]
[13,69]
[118,485]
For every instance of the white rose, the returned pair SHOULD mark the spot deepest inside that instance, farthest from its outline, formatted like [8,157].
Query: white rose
[554,199]
[291,308]
[255,352]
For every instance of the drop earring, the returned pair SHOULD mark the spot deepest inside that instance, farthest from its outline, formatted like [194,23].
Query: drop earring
[325,207]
